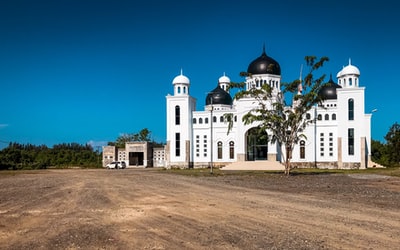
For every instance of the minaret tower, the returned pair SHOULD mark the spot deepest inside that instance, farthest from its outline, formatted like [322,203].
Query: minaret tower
[180,106]
[224,82]
[354,131]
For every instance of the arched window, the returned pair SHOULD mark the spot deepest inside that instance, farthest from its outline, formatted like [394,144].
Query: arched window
[319,117]
[351,109]
[333,117]
[184,90]
[179,90]
[235,118]
[177,115]
[350,82]
[219,144]
[302,149]
[194,121]
[221,119]
[308,116]
[200,120]
[231,150]
[326,117]
[214,119]
[206,120]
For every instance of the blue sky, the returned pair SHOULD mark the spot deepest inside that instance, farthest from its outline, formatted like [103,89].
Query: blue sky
[88,70]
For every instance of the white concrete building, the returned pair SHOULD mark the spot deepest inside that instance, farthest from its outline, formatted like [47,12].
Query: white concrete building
[340,137]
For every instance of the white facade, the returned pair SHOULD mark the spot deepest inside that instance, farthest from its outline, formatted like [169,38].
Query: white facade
[338,137]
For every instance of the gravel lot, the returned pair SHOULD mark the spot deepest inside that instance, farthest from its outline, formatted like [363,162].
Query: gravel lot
[152,209]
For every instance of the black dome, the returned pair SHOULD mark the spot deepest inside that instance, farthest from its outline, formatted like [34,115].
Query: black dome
[218,96]
[328,91]
[264,65]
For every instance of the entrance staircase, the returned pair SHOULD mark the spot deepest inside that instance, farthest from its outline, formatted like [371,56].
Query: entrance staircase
[254,165]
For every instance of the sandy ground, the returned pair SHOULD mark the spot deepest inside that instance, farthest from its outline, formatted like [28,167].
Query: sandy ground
[151,209]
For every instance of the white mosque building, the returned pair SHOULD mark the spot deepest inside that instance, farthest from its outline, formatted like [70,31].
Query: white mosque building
[339,136]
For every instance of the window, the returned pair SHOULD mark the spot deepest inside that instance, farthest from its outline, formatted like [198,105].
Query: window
[221,119]
[177,144]
[206,120]
[326,117]
[302,149]
[333,117]
[231,150]
[319,117]
[351,141]
[177,115]
[214,119]
[194,121]
[219,144]
[200,120]
[308,116]
[350,82]
[179,90]
[235,119]
[351,109]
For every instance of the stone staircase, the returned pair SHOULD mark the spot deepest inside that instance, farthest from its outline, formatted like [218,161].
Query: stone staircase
[255,165]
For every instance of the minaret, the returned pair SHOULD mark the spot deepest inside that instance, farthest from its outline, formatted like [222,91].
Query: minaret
[299,89]
[353,124]
[348,76]
[181,85]
[224,82]
[179,123]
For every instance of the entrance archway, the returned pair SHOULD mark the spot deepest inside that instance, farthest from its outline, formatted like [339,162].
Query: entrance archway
[256,145]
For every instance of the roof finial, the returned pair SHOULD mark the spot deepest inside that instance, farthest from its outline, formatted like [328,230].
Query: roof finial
[349,61]
[224,73]
[181,72]
[264,48]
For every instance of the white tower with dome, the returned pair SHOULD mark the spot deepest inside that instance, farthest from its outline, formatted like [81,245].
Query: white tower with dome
[180,107]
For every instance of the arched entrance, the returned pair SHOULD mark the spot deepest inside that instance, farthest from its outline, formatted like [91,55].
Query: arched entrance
[256,145]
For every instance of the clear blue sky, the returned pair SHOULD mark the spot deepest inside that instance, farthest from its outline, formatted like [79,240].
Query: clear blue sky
[88,70]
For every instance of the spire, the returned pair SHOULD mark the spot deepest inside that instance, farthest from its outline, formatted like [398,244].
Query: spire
[264,48]
[300,86]
[181,72]
[349,61]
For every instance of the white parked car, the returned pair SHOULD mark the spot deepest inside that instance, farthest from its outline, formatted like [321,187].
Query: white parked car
[116,165]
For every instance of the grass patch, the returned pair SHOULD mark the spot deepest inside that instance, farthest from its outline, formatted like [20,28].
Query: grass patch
[206,172]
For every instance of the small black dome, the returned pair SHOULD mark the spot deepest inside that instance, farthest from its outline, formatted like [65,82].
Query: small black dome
[264,65]
[218,96]
[328,91]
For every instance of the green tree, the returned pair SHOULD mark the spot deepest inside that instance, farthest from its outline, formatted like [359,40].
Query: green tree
[272,114]
[379,152]
[393,144]
[143,135]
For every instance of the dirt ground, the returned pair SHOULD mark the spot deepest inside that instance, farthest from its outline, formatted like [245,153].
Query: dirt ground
[151,209]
